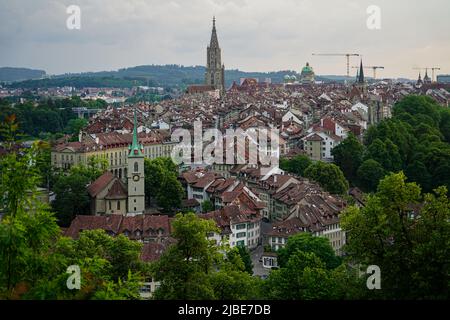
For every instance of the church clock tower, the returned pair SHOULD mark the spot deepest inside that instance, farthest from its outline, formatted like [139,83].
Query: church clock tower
[215,70]
[136,189]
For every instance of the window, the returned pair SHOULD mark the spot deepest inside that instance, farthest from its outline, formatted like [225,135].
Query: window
[136,167]
[240,235]
[118,205]
[109,205]
[240,226]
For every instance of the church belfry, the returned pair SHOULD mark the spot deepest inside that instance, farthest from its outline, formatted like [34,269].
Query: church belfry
[361,83]
[135,170]
[215,70]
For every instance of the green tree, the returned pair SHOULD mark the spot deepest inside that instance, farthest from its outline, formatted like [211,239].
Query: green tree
[244,255]
[71,198]
[27,228]
[369,174]
[75,125]
[308,243]
[161,183]
[304,277]
[110,268]
[348,156]
[170,193]
[296,165]
[399,230]
[183,269]
[207,206]
[196,268]
[329,176]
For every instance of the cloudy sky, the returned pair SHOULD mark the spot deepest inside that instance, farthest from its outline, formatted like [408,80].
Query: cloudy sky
[255,35]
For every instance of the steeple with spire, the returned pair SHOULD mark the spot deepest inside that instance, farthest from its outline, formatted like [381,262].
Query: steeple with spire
[135,149]
[426,79]
[361,73]
[360,83]
[419,82]
[214,43]
[135,174]
[215,70]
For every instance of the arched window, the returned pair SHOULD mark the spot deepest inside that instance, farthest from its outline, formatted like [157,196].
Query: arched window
[136,167]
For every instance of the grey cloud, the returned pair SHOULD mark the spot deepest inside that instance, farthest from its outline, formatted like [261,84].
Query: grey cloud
[254,34]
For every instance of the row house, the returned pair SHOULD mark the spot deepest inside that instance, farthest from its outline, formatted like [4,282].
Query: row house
[278,236]
[238,226]
[318,210]
[144,228]
[319,144]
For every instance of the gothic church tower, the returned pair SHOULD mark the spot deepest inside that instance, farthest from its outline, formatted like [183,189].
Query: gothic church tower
[215,70]
[136,189]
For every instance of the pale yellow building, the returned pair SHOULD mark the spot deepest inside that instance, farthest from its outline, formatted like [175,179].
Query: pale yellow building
[113,147]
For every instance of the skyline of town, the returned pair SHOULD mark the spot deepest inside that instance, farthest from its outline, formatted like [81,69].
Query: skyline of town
[174,183]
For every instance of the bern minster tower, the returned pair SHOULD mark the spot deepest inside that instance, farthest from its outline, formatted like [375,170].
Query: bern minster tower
[136,189]
[215,70]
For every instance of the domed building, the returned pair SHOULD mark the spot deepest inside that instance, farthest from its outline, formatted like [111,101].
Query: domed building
[307,75]
[290,79]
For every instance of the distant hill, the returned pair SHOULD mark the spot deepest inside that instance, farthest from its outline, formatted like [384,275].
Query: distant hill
[18,74]
[152,75]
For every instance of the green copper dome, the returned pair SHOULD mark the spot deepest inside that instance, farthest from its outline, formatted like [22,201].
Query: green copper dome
[307,69]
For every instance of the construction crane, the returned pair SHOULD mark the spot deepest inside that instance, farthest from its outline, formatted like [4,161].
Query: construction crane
[348,55]
[432,73]
[426,70]
[374,68]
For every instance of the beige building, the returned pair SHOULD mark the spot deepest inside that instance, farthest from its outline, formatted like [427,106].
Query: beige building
[113,147]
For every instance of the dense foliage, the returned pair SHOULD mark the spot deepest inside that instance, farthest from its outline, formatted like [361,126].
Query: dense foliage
[70,188]
[194,268]
[161,183]
[47,116]
[405,233]
[416,140]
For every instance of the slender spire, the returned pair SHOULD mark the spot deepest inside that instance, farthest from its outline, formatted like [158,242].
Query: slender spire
[214,41]
[135,147]
[361,73]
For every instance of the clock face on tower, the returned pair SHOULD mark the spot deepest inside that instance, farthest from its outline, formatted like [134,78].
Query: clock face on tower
[136,177]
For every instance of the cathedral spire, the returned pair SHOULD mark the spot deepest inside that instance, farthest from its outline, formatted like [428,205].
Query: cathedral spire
[214,41]
[135,147]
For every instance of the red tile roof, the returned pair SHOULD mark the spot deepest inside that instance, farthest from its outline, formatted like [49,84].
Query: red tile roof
[100,184]
[117,190]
